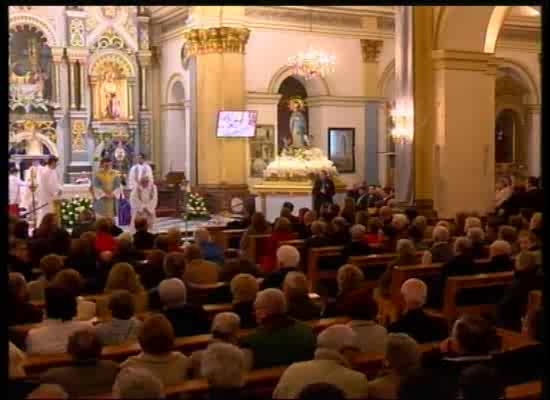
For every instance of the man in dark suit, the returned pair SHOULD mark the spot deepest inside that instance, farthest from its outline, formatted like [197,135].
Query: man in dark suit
[362,200]
[323,191]
[415,322]
[533,197]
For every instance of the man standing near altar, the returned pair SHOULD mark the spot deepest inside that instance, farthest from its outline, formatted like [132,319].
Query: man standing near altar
[323,191]
[138,170]
[144,200]
[105,190]
[48,188]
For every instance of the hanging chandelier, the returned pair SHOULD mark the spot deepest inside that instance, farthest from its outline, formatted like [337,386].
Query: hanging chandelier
[312,63]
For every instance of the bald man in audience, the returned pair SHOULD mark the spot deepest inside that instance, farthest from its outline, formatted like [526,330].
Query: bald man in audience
[414,321]
[300,306]
[332,363]
[288,259]
[279,339]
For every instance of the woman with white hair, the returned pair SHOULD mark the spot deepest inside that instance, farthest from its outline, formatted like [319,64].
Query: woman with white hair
[441,250]
[288,259]
[358,245]
[500,253]
[403,356]
[477,237]
[137,383]
[333,362]
[462,263]
[244,288]
[300,306]
[400,222]
[225,329]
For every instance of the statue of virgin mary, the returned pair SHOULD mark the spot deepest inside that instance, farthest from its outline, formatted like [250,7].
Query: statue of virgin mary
[298,125]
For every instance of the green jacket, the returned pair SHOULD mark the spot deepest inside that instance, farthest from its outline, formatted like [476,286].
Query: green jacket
[281,341]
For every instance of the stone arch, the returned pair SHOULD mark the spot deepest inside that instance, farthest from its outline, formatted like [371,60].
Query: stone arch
[120,57]
[45,140]
[43,26]
[387,76]
[314,87]
[484,24]
[525,75]
[172,81]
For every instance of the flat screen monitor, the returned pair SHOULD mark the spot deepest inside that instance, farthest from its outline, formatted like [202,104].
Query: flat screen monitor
[236,124]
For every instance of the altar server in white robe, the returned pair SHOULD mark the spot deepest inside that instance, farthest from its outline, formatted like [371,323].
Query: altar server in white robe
[143,200]
[15,191]
[49,188]
[140,169]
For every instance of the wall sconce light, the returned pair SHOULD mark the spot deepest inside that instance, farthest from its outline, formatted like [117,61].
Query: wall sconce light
[402,131]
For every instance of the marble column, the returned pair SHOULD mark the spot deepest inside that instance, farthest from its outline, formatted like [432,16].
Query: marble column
[464,131]
[72,84]
[57,60]
[534,140]
[83,101]
[219,54]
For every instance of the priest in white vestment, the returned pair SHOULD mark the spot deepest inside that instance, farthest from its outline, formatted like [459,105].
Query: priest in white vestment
[15,191]
[140,169]
[49,188]
[143,200]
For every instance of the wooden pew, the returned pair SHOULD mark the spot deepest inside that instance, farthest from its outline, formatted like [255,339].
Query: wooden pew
[375,260]
[253,245]
[401,274]
[314,254]
[38,363]
[525,391]
[456,283]
[227,235]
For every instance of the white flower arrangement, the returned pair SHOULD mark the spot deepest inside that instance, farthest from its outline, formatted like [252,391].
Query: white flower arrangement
[71,209]
[196,207]
[299,164]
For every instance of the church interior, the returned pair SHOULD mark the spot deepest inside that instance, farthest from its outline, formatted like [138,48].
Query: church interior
[266,128]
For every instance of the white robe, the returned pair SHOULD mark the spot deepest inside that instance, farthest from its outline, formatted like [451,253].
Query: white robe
[16,190]
[144,199]
[47,191]
[137,172]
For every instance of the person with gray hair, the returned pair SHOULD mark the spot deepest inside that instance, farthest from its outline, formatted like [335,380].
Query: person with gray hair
[48,391]
[500,253]
[300,306]
[414,321]
[358,245]
[137,383]
[21,311]
[406,255]
[403,355]
[223,366]
[244,288]
[400,222]
[477,237]
[318,236]
[332,363]
[124,325]
[472,222]
[441,250]
[279,339]
[225,329]
[288,259]
[462,263]
[187,319]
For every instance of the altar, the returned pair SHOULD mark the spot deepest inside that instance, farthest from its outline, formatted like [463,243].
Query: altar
[290,177]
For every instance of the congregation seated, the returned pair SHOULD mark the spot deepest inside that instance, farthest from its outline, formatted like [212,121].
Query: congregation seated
[19,259]
[70,280]
[500,253]
[123,277]
[162,242]
[83,258]
[84,223]
[225,329]
[509,234]
[153,272]
[318,236]
[209,250]
[374,227]
[310,216]
[406,255]
[332,363]
[299,305]
[125,251]
[172,266]
[416,235]
[480,382]
[53,334]
[414,321]
[288,259]
[477,237]
[173,240]
[462,262]
[357,245]
[349,278]
[137,383]
[403,356]
[124,325]
[156,339]
[197,269]
[88,375]
[236,263]
[279,339]
[400,223]
[143,239]
[186,318]
[338,232]
[361,307]
[244,288]
[282,231]
[20,310]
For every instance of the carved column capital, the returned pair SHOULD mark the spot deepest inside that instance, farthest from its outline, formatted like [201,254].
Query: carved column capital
[371,49]
[216,40]
[78,130]
[57,54]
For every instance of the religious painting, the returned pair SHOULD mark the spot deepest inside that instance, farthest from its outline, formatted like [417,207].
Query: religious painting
[29,70]
[341,149]
[292,115]
[262,150]
[111,94]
